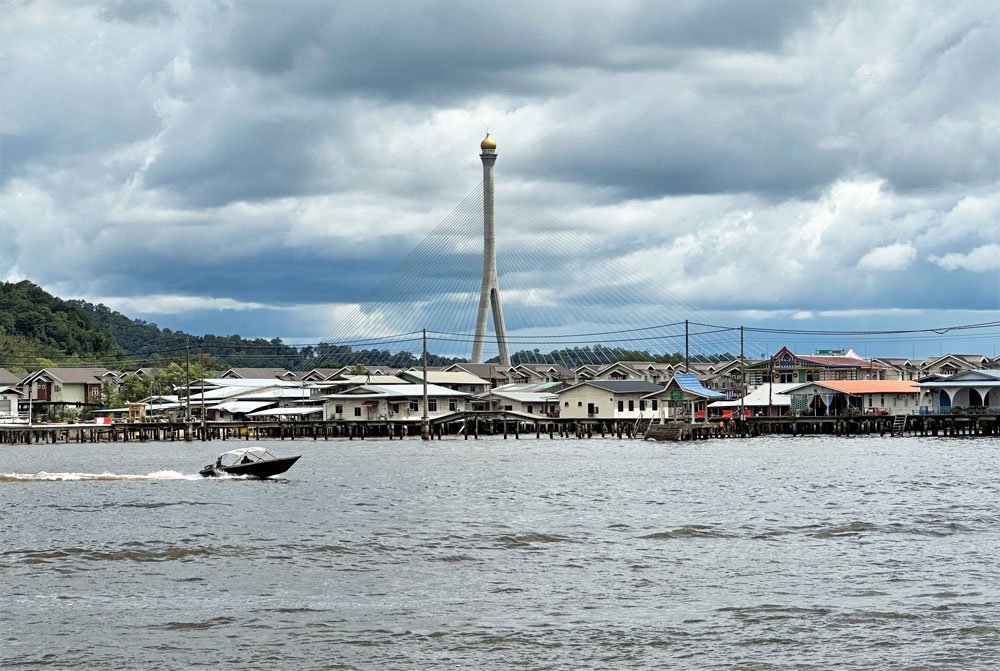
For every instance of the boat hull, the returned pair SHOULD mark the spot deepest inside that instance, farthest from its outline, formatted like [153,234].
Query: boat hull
[258,469]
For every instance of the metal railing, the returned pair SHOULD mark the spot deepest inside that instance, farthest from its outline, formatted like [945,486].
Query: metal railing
[957,410]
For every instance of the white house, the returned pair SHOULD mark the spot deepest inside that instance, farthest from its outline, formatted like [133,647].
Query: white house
[9,396]
[397,402]
[459,380]
[608,399]
[838,397]
[540,404]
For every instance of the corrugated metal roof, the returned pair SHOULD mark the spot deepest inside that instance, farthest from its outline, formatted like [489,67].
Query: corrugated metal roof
[240,406]
[689,382]
[246,382]
[524,396]
[257,372]
[621,386]
[274,412]
[367,379]
[446,377]
[864,386]
[397,390]
[763,396]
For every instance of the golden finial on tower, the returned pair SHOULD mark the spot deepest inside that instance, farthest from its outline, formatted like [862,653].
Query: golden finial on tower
[488,142]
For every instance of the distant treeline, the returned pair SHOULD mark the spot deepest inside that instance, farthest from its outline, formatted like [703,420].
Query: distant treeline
[144,339]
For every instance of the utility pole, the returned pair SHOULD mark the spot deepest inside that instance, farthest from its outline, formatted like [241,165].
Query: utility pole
[743,381]
[770,386]
[202,361]
[187,379]
[425,428]
[687,352]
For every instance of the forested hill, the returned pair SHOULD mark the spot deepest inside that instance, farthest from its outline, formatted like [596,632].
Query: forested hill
[144,339]
[34,323]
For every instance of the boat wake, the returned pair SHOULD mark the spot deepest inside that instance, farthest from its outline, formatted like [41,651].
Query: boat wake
[45,476]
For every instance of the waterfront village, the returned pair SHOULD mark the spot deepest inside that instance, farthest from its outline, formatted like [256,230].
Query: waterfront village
[824,383]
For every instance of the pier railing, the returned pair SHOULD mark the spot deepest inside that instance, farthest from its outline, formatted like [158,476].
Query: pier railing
[957,410]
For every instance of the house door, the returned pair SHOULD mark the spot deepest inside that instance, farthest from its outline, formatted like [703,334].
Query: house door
[43,391]
[591,410]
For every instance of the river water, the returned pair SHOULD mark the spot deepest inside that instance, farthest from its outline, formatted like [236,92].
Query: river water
[770,553]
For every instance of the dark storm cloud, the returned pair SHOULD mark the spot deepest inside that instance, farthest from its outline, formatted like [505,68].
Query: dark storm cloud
[445,50]
[217,158]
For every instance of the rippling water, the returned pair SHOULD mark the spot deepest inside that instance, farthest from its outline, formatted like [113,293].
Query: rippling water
[772,553]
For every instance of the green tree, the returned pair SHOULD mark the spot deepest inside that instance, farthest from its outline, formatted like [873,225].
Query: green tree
[134,388]
[111,395]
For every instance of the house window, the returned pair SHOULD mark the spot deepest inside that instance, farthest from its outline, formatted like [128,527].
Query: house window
[631,405]
[508,408]
[95,392]
[579,404]
[642,404]
[654,404]
[432,405]
[621,406]
[413,406]
[338,409]
[530,410]
[567,404]
[452,406]
[357,411]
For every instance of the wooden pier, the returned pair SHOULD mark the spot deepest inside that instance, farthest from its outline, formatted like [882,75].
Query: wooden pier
[467,425]
[473,424]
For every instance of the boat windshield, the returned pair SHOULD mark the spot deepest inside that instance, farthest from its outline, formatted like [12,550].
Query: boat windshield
[248,455]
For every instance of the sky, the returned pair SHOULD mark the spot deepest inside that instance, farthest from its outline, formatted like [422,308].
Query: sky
[259,167]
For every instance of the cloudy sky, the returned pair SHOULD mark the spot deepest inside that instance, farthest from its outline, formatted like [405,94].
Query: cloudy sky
[258,168]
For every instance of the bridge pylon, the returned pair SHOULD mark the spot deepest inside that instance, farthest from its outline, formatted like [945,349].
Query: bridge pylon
[489,296]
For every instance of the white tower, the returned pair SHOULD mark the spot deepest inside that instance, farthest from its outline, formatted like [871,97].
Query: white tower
[490,294]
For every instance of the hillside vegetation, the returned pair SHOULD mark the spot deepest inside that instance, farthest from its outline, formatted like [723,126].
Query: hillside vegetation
[35,325]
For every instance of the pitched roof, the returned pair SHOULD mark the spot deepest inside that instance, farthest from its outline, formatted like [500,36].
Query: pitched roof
[849,360]
[530,387]
[72,375]
[523,396]
[485,371]
[256,372]
[366,379]
[864,386]
[445,377]
[558,369]
[241,407]
[764,395]
[619,386]
[6,377]
[967,378]
[396,390]
[689,382]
